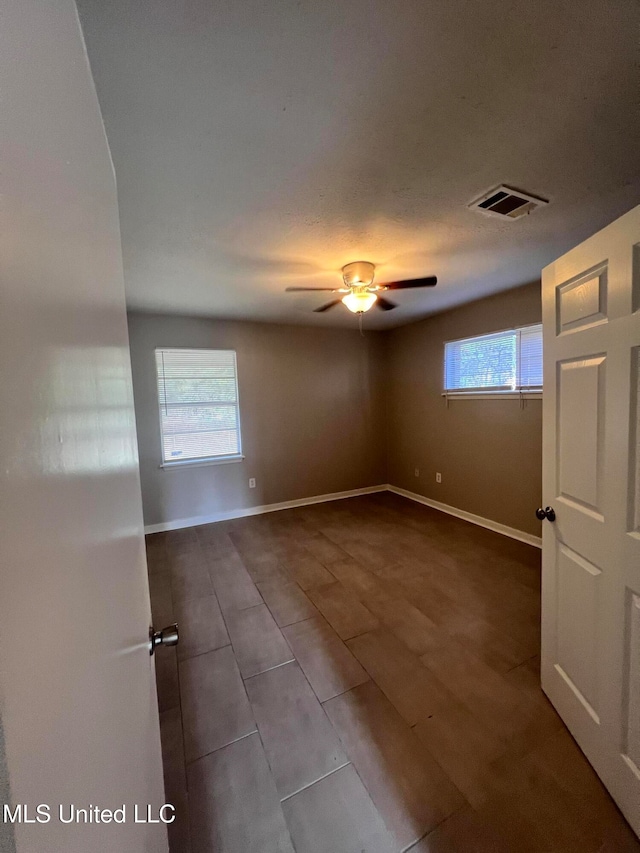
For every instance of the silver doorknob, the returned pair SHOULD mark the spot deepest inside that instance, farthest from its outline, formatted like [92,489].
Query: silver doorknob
[169,636]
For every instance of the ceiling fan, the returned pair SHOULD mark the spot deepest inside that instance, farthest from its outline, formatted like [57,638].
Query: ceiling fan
[361,293]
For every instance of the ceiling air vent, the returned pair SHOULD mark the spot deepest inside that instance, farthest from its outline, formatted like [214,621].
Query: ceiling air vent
[507,203]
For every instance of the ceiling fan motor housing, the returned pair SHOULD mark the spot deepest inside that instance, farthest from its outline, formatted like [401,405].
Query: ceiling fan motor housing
[358,274]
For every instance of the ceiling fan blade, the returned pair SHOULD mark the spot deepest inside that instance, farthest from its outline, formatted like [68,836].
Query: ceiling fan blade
[327,305]
[300,289]
[385,304]
[429,281]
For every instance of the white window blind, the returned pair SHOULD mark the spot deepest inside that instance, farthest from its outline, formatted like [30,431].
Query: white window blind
[502,361]
[198,397]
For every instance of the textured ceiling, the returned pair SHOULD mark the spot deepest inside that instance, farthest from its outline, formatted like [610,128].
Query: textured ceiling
[261,144]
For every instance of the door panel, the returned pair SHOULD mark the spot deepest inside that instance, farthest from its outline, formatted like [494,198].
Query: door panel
[578,596]
[77,693]
[636,278]
[631,711]
[591,554]
[582,301]
[634,444]
[581,403]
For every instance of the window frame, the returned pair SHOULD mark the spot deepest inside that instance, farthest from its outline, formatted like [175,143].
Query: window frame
[495,392]
[198,461]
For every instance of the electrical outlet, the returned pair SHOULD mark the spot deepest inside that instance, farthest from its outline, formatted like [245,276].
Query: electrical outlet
[438,477]
[252,482]
[417,472]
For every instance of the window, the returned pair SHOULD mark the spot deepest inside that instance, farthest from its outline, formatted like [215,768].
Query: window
[198,396]
[502,362]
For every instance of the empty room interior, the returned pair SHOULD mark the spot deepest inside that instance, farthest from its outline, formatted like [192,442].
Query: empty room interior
[321,405]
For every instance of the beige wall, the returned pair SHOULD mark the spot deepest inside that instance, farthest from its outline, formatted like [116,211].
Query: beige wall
[489,452]
[311,409]
[325,410]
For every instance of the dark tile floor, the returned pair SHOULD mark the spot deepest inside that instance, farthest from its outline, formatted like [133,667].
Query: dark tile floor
[358,676]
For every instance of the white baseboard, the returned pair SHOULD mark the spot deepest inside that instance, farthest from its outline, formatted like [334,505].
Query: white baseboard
[259,510]
[511,532]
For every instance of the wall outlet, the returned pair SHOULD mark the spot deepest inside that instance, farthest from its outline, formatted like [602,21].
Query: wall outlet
[438,477]
[252,482]
[417,472]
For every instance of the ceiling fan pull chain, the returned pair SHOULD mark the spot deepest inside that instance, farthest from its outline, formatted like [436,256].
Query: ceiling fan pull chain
[360,323]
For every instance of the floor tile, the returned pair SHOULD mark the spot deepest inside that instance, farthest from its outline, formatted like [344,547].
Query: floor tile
[354,576]
[189,577]
[167,685]
[299,740]
[336,815]
[215,542]
[409,789]
[501,651]
[369,556]
[175,780]
[498,704]
[327,662]
[461,745]
[264,566]
[286,601]
[463,832]
[179,831]
[323,549]
[257,641]
[201,626]
[175,774]
[308,572]
[215,708]
[342,610]
[180,542]
[232,584]
[402,678]
[533,809]
[162,609]
[418,633]
[234,805]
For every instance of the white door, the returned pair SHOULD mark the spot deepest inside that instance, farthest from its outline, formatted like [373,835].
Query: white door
[78,711]
[591,452]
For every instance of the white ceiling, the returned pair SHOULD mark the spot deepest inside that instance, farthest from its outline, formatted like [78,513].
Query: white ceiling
[265,143]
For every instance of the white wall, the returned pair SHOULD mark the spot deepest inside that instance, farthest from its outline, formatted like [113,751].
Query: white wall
[78,704]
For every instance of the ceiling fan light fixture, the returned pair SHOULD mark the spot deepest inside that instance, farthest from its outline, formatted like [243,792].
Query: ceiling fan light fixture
[359,302]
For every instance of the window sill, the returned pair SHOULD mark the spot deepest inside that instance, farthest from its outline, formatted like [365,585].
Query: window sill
[200,463]
[492,395]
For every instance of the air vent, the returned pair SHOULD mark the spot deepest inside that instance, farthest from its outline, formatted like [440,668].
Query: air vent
[507,203]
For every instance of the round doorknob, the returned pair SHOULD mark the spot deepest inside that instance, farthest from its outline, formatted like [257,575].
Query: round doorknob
[548,513]
[169,636]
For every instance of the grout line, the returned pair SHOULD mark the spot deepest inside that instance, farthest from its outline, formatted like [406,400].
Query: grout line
[199,654]
[270,669]
[297,622]
[345,640]
[410,847]
[315,781]
[323,702]
[413,844]
[522,663]
[224,746]
[250,607]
